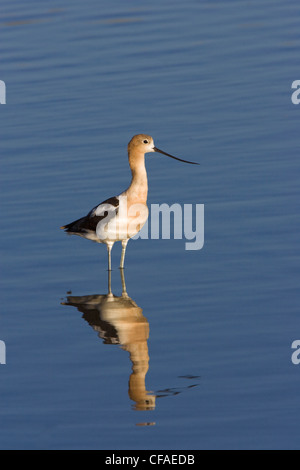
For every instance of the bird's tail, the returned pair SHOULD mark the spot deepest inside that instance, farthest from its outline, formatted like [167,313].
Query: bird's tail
[73,227]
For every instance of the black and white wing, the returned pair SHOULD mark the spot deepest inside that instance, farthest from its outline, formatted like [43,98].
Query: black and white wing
[87,225]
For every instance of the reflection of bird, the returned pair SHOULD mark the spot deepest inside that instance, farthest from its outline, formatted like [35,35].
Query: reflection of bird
[121,217]
[118,320]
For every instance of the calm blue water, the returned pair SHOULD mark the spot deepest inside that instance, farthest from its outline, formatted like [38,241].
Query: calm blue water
[211,81]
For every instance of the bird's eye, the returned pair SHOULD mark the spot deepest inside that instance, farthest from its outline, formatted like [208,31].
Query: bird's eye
[146,141]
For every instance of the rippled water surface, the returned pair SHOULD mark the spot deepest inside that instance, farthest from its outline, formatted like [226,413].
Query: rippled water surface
[197,355]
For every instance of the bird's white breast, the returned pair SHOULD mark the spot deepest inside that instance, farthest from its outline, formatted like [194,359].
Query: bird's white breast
[123,222]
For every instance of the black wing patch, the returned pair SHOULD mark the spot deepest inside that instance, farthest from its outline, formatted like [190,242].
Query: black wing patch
[90,222]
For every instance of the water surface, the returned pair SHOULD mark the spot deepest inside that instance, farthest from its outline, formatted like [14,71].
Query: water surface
[204,360]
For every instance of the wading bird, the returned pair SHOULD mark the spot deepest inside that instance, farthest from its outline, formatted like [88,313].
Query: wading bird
[121,217]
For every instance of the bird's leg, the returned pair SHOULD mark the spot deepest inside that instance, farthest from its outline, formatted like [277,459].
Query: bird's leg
[109,248]
[124,245]
[124,291]
[109,284]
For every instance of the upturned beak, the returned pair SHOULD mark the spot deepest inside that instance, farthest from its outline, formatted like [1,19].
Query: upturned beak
[175,158]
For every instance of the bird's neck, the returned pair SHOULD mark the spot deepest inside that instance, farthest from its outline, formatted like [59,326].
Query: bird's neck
[138,189]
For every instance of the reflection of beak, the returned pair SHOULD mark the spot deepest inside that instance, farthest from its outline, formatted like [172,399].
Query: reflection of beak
[171,156]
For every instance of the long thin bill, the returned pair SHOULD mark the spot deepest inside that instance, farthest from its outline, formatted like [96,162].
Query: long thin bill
[175,158]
